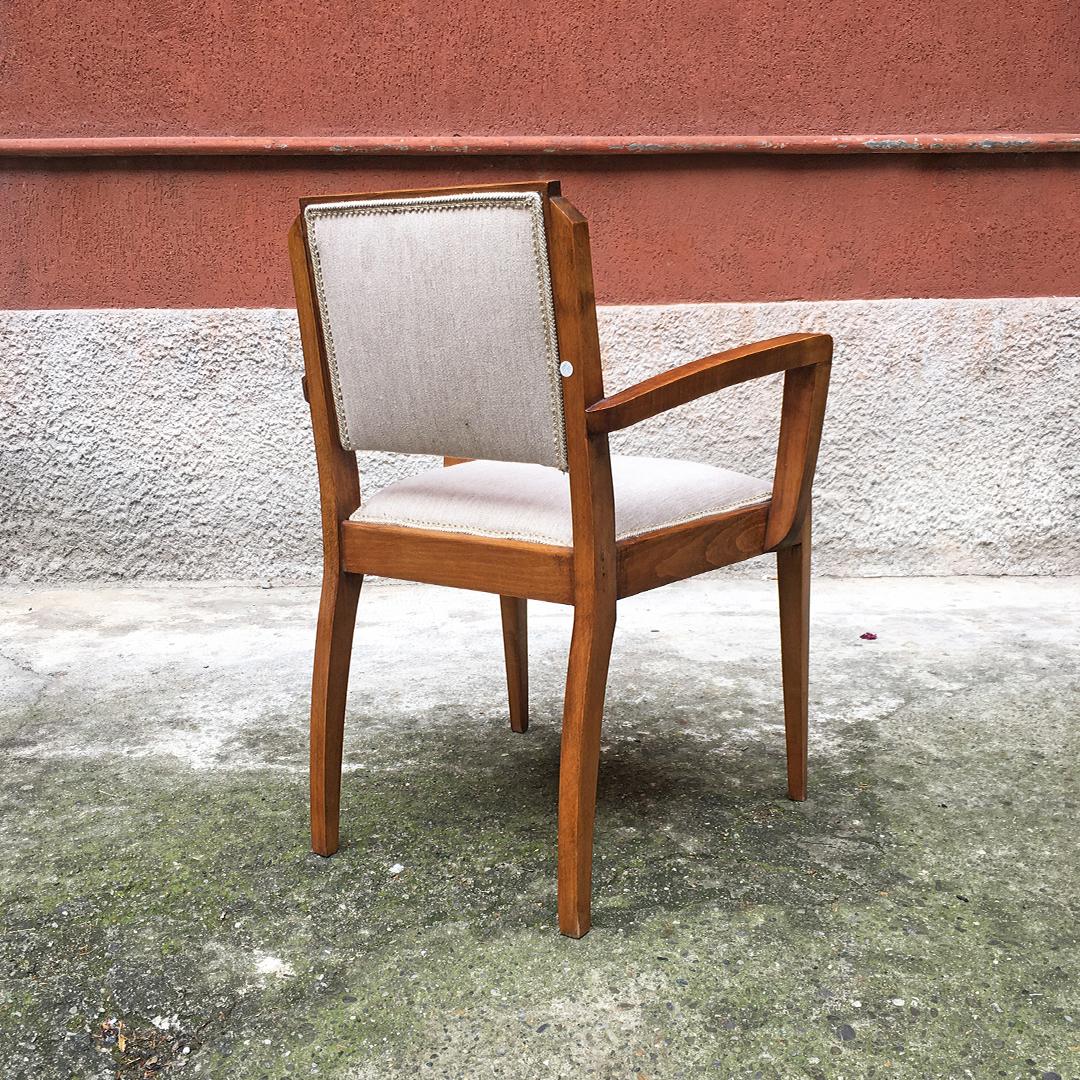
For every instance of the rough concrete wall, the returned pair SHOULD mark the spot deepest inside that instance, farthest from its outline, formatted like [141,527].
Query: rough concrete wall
[149,444]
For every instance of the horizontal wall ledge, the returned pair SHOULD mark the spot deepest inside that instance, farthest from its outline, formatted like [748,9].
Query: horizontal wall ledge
[532,145]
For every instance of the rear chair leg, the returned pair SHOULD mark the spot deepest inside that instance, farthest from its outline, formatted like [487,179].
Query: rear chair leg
[515,629]
[329,686]
[793,576]
[586,681]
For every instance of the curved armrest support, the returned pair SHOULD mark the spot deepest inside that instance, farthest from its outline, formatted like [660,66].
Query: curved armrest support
[801,416]
[705,376]
[806,359]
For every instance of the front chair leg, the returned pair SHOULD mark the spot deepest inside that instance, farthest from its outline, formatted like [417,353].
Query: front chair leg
[793,578]
[329,686]
[515,629]
[586,681]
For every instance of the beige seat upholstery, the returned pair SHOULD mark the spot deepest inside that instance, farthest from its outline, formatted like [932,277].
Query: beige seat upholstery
[532,502]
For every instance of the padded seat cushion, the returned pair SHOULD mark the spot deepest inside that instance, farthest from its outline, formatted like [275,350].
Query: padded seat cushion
[532,502]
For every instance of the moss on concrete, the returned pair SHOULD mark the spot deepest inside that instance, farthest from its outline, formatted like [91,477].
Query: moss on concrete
[915,918]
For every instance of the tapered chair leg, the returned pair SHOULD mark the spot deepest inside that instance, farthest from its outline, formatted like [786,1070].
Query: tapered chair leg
[329,687]
[586,681]
[793,576]
[515,630]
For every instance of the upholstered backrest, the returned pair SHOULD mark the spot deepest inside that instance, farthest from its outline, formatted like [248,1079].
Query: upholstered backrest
[437,320]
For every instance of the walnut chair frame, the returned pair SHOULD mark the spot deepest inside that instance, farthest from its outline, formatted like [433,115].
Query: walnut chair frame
[592,574]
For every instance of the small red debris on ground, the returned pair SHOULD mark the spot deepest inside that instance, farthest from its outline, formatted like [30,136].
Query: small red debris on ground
[868,636]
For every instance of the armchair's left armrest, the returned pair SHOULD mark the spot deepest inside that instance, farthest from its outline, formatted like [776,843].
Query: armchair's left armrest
[705,376]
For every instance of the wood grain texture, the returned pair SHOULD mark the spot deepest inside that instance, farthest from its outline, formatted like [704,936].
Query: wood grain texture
[801,417]
[705,376]
[506,567]
[339,479]
[545,188]
[329,689]
[793,579]
[579,758]
[339,492]
[659,558]
[592,506]
[515,628]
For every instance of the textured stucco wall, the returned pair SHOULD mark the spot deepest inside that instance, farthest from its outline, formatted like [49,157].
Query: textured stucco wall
[208,231]
[175,444]
[482,67]
[192,233]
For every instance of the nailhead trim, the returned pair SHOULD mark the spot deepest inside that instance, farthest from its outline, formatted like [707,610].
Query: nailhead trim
[540,538]
[527,200]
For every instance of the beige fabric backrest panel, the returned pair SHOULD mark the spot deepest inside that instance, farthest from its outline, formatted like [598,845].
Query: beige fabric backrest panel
[439,327]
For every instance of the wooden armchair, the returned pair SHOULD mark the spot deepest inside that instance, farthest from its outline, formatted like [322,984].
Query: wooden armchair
[462,322]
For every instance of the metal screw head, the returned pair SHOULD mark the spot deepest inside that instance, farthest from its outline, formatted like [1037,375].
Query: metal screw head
[566,369]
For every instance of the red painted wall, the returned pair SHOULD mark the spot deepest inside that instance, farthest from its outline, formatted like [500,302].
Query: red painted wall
[202,232]
[127,67]
[196,233]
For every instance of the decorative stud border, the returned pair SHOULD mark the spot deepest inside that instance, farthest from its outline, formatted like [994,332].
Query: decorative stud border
[366,516]
[519,200]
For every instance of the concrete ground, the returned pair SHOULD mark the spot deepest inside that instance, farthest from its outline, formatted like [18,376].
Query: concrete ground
[917,917]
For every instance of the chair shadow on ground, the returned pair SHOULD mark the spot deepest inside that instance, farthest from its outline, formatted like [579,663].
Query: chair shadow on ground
[683,820]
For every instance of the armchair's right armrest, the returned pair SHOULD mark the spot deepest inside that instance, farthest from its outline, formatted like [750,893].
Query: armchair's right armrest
[705,376]
[806,361]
